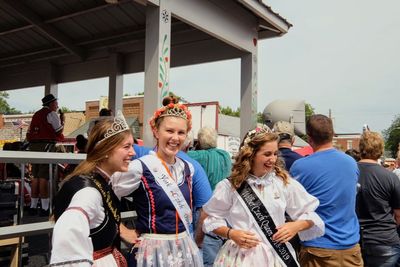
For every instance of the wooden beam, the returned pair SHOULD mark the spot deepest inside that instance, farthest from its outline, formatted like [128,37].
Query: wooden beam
[17,7]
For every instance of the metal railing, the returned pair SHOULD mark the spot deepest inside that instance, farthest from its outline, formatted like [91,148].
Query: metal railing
[22,158]
[30,229]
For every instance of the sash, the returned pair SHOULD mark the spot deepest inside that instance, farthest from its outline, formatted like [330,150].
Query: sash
[170,188]
[264,223]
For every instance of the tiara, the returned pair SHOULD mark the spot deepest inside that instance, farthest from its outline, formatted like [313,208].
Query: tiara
[255,132]
[173,110]
[119,125]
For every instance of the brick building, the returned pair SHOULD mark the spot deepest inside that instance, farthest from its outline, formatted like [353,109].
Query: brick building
[132,108]
[347,141]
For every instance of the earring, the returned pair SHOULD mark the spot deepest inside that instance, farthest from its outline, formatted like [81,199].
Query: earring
[106,156]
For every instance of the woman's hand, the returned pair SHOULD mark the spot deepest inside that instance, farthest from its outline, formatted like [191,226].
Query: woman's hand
[244,239]
[288,230]
[127,235]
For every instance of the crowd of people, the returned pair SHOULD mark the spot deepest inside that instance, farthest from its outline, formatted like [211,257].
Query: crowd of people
[200,207]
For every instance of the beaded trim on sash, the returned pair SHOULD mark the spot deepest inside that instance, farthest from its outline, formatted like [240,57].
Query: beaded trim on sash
[107,198]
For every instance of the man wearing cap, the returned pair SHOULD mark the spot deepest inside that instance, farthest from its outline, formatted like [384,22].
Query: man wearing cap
[44,131]
[285,130]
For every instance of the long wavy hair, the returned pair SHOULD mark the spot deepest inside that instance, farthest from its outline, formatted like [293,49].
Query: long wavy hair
[98,151]
[244,159]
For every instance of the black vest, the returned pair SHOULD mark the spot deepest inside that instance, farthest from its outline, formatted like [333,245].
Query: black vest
[107,233]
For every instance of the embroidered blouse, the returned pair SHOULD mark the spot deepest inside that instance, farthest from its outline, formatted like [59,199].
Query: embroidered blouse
[277,198]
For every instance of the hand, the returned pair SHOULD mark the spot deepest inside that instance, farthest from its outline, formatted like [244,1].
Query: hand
[286,231]
[127,235]
[244,239]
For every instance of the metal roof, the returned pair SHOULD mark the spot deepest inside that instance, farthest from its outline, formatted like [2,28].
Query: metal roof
[77,36]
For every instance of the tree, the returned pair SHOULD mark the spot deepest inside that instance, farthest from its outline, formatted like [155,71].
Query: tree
[309,110]
[229,111]
[4,106]
[260,117]
[65,110]
[392,136]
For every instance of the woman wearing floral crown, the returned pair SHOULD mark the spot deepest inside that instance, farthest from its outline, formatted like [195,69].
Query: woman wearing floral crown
[87,212]
[161,184]
[253,201]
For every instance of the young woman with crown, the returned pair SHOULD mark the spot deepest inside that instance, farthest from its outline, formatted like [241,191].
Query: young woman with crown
[87,211]
[161,184]
[253,201]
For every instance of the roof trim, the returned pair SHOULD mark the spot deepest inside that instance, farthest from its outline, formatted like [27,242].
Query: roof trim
[265,12]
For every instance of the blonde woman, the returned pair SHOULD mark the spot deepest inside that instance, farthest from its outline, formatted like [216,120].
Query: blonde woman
[161,187]
[253,201]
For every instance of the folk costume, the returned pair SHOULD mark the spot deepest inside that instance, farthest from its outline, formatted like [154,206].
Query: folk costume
[88,210]
[87,214]
[227,204]
[163,202]
[258,205]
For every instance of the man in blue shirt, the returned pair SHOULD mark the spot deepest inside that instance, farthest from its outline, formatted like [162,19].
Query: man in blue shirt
[331,176]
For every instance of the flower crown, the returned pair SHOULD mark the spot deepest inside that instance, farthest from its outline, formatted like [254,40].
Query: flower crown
[173,110]
[119,125]
[255,132]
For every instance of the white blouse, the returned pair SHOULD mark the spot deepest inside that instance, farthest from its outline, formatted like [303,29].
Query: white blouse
[71,232]
[71,239]
[124,183]
[277,198]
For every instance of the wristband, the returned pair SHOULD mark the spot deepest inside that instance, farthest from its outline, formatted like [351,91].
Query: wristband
[227,234]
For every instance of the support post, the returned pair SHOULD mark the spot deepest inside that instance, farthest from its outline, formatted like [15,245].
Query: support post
[157,62]
[115,83]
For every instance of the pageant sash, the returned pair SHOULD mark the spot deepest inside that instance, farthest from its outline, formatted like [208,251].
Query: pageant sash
[170,187]
[264,223]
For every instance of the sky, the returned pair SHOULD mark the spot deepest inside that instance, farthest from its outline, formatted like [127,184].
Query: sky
[339,55]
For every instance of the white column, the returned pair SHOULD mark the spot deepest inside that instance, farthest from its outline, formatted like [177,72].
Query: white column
[157,59]
[115,83]
[248,93]
[51,86]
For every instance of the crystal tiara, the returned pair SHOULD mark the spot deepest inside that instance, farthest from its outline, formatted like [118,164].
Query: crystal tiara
[255,132]
[119,125]
[176,111]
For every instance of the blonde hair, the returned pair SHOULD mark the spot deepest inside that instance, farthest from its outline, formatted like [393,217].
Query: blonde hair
[371,145]
[98,151]
[245,157]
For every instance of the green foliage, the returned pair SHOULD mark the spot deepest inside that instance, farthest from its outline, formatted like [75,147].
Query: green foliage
[309,110]
[65,110]
[229,111]
[236,113]
[260,118]
[392,136]
[140,93]
[5,107]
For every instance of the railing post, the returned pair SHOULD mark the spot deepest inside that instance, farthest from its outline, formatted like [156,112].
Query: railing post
[21,212]
[50,189]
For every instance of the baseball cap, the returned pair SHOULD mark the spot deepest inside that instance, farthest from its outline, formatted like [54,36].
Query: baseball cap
[284,129]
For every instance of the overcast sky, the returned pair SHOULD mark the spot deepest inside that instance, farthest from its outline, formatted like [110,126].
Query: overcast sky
[339,55]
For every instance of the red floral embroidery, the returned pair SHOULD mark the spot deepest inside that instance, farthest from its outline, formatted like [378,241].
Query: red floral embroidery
[152,205]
